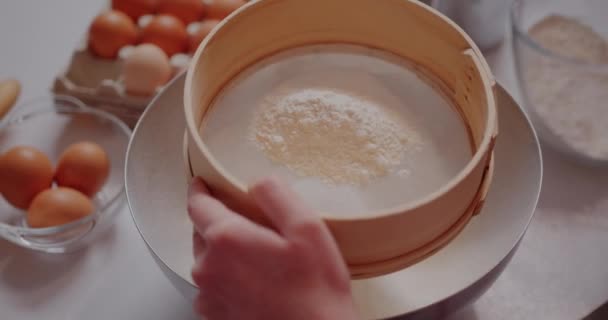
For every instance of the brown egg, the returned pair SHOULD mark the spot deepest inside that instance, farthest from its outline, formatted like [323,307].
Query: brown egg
[186,10]
[135,8]
[55,207]
[24,172]
[167,32]
[200,34]
[83,166]
[111,31]
[220,9]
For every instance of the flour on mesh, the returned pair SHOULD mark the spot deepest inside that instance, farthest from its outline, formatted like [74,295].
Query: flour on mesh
[330,134]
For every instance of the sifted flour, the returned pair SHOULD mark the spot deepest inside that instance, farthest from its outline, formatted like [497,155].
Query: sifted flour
[570,100]
[330,134]
[350,128]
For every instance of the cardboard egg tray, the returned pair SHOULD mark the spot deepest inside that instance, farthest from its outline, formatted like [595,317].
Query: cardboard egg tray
[97,81]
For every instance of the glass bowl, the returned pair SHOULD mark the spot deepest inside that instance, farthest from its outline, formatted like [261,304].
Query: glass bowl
[50,124]
[564,79]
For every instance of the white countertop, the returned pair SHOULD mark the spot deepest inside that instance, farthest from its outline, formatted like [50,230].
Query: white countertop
[558,273]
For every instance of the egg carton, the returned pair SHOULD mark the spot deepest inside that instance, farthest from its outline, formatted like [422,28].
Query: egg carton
[97,82]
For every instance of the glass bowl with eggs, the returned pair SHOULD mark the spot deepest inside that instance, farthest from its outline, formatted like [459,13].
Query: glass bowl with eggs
[61,173]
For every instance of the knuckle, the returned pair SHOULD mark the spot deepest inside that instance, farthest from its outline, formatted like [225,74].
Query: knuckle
[191,205]
[222,234]
[204,274]
[309,238]
[194,204]
[199,203]
[311,229]
[199,275]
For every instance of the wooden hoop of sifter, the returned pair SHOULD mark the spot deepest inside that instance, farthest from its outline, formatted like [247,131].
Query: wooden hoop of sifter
[383,241]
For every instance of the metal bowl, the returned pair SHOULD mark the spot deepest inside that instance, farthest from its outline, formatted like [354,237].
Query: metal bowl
[443,283]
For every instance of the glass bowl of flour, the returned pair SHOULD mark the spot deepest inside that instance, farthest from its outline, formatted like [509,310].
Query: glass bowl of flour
[561,57]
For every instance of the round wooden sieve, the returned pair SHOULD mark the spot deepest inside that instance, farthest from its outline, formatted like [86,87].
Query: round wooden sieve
[381,241]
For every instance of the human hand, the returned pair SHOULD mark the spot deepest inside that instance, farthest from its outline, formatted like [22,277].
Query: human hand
[247,271]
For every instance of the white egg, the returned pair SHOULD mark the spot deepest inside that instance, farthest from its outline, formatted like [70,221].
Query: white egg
[145,69]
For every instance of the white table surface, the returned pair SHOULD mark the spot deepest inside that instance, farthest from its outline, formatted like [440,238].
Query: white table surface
[558,273]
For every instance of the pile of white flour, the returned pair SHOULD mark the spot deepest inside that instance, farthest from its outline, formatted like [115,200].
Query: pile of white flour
[572,101]
[333,135]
